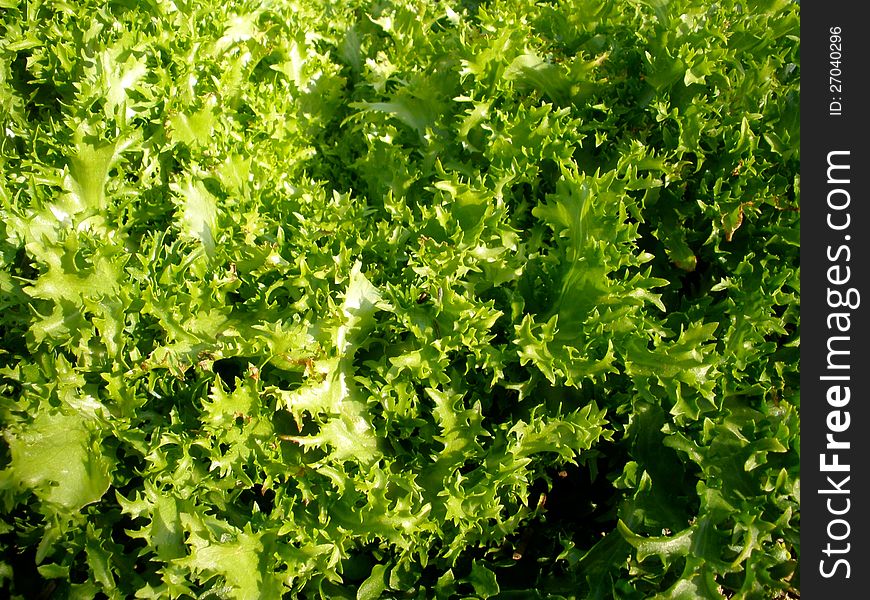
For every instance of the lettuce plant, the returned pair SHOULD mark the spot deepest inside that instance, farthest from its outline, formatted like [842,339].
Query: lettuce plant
[399,299]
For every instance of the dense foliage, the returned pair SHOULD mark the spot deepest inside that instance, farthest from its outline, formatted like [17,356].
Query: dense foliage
[399,299]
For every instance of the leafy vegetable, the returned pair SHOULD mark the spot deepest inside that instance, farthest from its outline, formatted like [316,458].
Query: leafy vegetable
[399,299]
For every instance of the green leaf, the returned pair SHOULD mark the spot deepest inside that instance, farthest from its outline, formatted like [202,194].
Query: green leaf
[667,548]
[166,532]
[534,72]
[195,130]
[697,587]
[59,458]
[375,585]
[198,217]
[483,580]
[239,562]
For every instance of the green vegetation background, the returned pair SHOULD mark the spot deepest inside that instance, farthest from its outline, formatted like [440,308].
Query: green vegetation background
[416,299]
